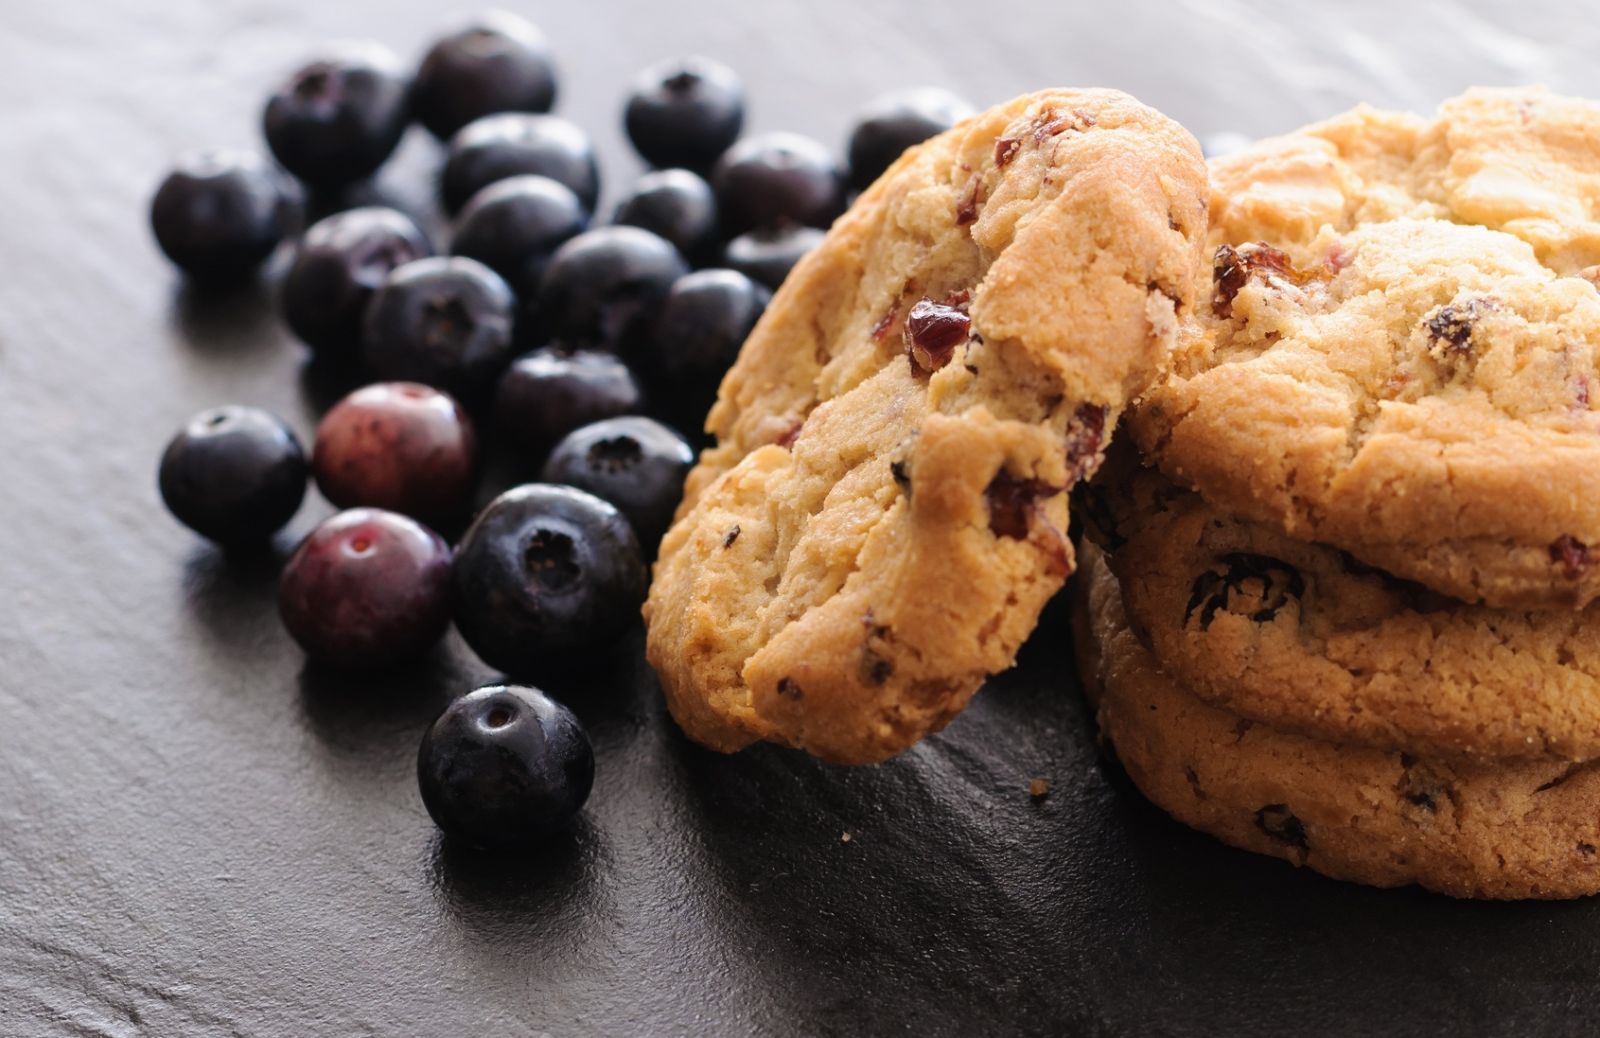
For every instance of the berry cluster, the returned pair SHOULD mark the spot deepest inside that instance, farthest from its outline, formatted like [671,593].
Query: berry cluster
[546,331]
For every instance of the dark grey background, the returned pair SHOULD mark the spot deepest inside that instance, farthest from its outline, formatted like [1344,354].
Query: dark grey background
[199,837]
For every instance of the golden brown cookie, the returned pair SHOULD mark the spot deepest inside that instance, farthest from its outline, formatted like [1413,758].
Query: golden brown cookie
[1468,829]
[1398,352]
[883,515]
[1307,639]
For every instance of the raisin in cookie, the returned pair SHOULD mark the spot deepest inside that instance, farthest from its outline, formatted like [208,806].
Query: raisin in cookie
[1399,348]
[1468,829]
[1305,638]
[883,515]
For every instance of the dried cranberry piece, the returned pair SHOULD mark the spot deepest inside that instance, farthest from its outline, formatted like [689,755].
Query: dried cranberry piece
[1263,584]
[1571,554]
[933,331]
[1085,435]
[1278,822]
[1012,502]
[1450,328]
[1005,149]
[1232,267]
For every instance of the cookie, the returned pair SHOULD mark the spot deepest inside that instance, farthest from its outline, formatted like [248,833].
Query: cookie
[1468,829]
[1398,351]
[883,515]
[1305,638]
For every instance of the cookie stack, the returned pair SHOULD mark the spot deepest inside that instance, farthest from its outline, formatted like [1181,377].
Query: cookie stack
[1342,615]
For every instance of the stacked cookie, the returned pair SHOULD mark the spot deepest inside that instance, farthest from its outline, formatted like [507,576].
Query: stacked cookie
[1343,611]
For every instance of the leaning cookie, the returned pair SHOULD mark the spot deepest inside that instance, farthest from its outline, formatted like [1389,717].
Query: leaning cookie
[1303,637]
[883,515]
[1398,352]
[1486,830]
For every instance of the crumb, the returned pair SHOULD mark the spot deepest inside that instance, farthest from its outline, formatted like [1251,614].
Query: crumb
[844,838]
[1038,789]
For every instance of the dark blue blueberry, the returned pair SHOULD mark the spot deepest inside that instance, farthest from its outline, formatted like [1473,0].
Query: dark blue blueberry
[503,767]
[497,63]
[446,322]
[777,178]
[514,226]
[341,263]
[397,445]
[704,320]
[677,205]
[367,589]
[895,122]
[544,575]
[603,288]
[635,463]
[513,143]
[220,214]
[234,474]
[548,393]
[767,255]
[339,118]
[685,112]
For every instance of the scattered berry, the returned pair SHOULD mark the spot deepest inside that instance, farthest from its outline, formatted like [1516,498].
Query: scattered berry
[397,445]
[777,178]
[513,143]
[548,393]
[685,113]
[545,574]
[703,321]
[602,289]
[635,463]
[504,766]
[895,122]
[677,205]
[234,474]
[220,214]
[767,256]
[366,589]
[445,322]
[339,118]
[498,63]
[341,263]
[513,226]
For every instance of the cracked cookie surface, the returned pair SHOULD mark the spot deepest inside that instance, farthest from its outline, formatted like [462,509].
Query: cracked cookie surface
[1468,829]
[1307,639]
[883,515]
[1398,353]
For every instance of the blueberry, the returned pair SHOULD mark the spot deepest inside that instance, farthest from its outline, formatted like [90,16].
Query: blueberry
[498,63]
[635,463]
[340,265]
[233,474]
[397,445]
[678,206]
[513,226]
[367,589]
[685,112]
[544,575]
[602,289]
[444,322]
[767,256]
[548,393]
[895,122]
[500,146]
[704,320]
[339,118]
[776,178]
[220,214]
[504,766]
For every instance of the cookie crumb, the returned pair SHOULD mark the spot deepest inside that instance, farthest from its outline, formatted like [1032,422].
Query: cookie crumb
[844,837]
[1038,789]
